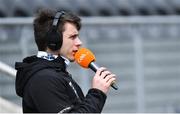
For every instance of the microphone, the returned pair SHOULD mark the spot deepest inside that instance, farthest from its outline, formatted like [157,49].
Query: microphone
[85,58]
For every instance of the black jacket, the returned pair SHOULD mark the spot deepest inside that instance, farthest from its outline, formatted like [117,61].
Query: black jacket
[45,86]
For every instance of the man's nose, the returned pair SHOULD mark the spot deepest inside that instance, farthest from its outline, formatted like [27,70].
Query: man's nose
[78,42]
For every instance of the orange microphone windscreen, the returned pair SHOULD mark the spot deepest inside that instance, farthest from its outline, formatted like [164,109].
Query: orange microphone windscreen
[84,57]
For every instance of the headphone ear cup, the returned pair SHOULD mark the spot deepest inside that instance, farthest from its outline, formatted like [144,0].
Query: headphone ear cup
[54,40]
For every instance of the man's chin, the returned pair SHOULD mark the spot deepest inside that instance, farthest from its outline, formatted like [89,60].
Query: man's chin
[71,60]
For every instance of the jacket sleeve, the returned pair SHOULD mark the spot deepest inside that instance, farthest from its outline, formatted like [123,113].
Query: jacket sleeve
[93,102]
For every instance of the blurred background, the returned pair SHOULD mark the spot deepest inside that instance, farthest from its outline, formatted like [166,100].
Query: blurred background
[138,40]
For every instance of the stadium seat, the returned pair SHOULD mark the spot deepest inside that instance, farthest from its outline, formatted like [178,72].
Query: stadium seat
[2,9]
[161,7]
[175,5]
[35,5]
[142,7]
[103,7]
[60,5]
[20,9]
[85,8]
[123,7]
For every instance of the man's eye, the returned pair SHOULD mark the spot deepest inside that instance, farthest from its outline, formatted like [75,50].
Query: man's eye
[73,37]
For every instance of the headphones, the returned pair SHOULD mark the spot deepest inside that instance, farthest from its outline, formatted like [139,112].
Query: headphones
[54,37]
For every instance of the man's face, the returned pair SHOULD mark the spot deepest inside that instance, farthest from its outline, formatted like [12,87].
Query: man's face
[71,41]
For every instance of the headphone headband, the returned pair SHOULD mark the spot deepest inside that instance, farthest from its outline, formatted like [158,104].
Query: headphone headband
[57,18]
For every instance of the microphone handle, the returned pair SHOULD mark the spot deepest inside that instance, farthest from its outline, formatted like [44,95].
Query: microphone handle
[94,67]
[114,86]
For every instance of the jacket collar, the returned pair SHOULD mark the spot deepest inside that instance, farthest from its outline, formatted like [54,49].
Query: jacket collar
[51,57]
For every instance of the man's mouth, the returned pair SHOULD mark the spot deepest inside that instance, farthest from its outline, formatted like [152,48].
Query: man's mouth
[74,52]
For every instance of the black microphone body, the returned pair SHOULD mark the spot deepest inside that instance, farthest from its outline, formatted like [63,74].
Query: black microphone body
[93,66]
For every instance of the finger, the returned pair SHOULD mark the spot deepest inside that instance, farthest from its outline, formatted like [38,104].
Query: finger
[100,70]
[105,73]
[108,77]
[111,81]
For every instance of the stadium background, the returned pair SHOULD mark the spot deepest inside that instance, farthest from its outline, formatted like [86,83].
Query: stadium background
[137,39]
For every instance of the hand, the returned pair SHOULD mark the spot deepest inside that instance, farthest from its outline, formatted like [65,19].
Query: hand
[103,79]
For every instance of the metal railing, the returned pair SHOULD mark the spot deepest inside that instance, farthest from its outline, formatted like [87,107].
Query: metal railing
[5,105]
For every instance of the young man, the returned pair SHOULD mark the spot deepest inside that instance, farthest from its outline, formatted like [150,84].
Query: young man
[42,80]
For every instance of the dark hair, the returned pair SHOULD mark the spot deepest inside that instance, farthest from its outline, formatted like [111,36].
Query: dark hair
[43,23]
